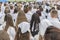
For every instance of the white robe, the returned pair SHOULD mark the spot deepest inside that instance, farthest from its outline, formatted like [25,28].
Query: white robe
[14,17]
[2,18]
[33,10]
[43,26]
[42,16]
[11,11]
[46,23]
[59,14]
[28,16]
[25,26]
[11,32]
[55,22]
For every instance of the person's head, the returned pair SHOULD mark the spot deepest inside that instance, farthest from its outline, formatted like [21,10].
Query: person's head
[7,10]
[15,10]
[58,7]
[26,8]
[52,33]
[54,14]
[53,8]
[38,12]
[11,6]
[4,35]
[40,8]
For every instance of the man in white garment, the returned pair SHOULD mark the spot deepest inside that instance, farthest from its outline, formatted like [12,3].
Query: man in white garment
[29,15]
[53,21]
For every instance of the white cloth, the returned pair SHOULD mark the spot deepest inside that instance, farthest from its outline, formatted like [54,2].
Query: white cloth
[14,17]
[11,32]
[25,26]
[43,26]
[2,18]
[28,16]
[33,10]
[59,14]
[42,16]
[55,22]
[11,11]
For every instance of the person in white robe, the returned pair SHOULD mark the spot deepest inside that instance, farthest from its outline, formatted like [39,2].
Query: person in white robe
[28,13]
[14,16]
[43,26]
[11,32]
[11,8]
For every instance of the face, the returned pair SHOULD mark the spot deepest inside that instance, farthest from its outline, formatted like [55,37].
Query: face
[7,9]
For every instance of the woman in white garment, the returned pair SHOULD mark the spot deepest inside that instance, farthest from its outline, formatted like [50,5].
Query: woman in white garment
[14,16]
[49,22]
[34,25]
[28,14]
[9,28]
[23,26]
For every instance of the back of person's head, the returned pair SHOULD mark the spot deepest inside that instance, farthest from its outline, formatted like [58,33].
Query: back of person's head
[38,12]
[35,18]
[26,8]
[58,7]
[52,33]
[40,8]
[4,35]
[53,8]
[54,14]
[15,10]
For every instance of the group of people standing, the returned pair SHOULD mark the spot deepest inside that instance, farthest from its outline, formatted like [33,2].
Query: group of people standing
[29,21]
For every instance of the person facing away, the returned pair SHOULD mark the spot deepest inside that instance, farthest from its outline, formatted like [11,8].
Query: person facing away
[23,26]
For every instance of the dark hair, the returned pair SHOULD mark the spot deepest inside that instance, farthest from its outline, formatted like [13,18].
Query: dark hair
[26,8]
[40,8]
[58,7]
[11,7]
[38,12]
[53,8]
[35,21]
[15,10]
[52,33]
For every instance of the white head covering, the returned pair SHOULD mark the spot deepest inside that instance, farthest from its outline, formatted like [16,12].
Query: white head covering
[24,26]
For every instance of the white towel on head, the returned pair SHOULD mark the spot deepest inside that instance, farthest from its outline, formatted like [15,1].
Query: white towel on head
[25,26]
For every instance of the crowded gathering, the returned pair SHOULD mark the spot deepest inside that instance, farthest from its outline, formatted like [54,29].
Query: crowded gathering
[30,20]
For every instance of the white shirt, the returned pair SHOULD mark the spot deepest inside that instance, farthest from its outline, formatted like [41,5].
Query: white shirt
[25,26]
[28,16]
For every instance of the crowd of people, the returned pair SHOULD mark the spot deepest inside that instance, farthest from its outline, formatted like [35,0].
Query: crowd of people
[29,21]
